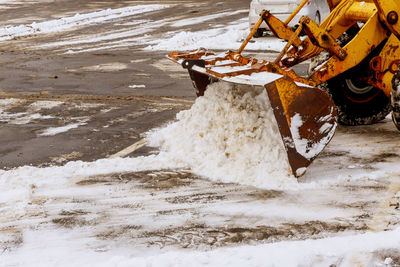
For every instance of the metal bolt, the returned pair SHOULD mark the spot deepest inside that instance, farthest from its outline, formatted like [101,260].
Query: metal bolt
[392,17]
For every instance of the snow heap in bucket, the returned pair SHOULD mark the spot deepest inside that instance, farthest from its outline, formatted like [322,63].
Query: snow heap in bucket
[230,135]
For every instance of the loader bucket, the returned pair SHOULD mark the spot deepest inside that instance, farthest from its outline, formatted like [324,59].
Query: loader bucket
[306,116]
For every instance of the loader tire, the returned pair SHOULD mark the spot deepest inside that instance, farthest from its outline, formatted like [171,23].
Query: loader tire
[357,102]
[395,99]
[258,33]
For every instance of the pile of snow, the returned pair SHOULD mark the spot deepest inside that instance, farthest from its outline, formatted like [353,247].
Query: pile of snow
[230,135]
[228,37]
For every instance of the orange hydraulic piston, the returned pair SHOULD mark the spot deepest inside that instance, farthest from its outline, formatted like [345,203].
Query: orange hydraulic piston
[253,31]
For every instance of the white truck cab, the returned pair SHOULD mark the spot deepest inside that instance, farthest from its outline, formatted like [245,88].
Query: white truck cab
[317,10]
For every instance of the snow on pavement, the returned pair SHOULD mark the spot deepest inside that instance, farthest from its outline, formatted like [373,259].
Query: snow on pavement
[335,251]
[229,37]
[138,32]
[219,133]
[62,129]
[6,4]
[27,116]
[39,110]
[79,20]
[155,210]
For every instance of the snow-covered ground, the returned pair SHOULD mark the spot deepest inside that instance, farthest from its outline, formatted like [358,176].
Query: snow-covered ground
[215,190]
[221,38]
[79,20]
[131,29]
[158,211]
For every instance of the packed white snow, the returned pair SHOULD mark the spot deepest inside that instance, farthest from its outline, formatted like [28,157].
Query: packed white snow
[66,23]
[62,129]
[230,135]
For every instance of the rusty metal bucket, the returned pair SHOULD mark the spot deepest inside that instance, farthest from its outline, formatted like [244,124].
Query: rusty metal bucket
[306,118]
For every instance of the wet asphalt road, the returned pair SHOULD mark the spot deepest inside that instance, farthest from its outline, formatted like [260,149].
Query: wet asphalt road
[30,71]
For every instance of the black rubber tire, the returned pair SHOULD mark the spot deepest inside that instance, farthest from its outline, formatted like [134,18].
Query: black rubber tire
[395,100]
[318,18]
[359,108]
[258,33]
[355,106]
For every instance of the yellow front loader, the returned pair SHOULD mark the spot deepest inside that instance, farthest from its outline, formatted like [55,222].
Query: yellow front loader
[353,79]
